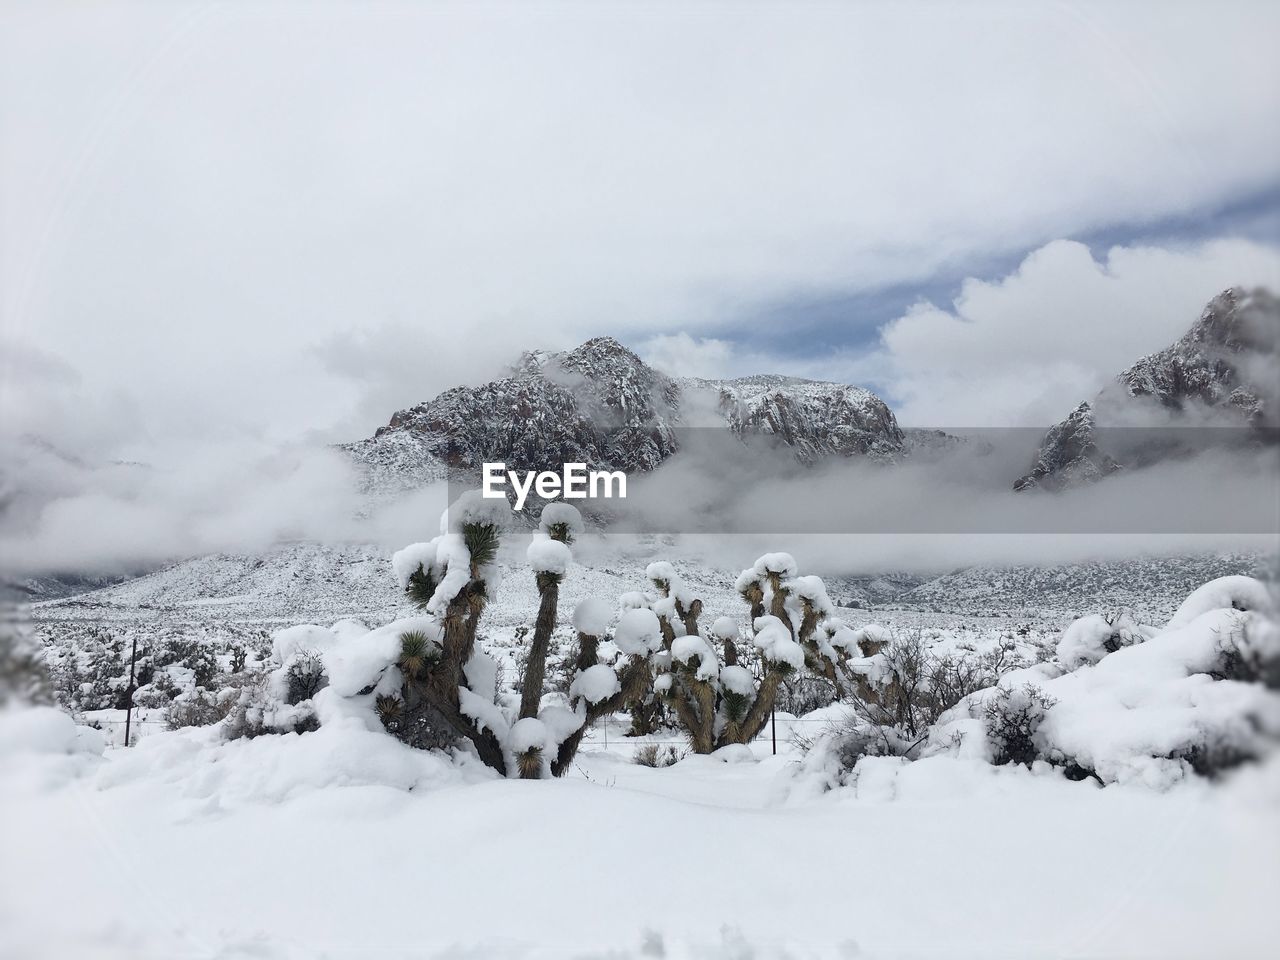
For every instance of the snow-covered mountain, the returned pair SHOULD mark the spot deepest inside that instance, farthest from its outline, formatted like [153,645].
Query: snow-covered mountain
[600,404]
[1220,372]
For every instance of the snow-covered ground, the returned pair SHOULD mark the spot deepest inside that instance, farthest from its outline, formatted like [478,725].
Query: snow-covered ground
[344,843]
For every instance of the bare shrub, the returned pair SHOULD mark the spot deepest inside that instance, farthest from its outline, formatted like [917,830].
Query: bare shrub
[304,677]
[908,687]
[656,755]
[1011,720]
[200,708]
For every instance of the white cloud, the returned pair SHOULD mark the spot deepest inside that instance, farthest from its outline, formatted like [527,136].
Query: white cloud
[194,196]
[1025,349]
[683,355]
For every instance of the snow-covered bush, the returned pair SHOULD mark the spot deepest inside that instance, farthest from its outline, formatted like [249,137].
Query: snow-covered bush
[1194,699]
[1089,639]
[1225,593]
[304,676]
[904,684]
[89,665]
[656,755]
[833,754]
[704,682]
[1011,720]
[200,708]
[23,676]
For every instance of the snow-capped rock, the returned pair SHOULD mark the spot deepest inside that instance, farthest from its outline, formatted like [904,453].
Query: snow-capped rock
[600,404]
[1221,372]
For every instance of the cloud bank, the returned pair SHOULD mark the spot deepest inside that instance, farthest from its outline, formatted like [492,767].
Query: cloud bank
[469,180]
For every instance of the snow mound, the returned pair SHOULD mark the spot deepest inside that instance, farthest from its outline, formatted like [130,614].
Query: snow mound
[737,680]
[405,562]
[812,589]
[595,683]
[734,753]
[1237,593]
[529,733]
[548,556]
[638,632]
[774,640]
[46,730]
[1089,639]
[474,507]
[290,641]
[592,617]
[1151,712]
[357,663]
[685,648]
[560,513]
[725,628]
[782,564]
[1186,701]
[348,628]
[273,769]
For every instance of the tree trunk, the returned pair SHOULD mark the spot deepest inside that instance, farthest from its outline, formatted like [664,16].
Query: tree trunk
[730,653]
[635,679]
[535,668]
[690,616]
[761,707]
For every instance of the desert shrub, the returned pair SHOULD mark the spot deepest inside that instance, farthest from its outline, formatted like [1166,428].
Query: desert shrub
[203,664]
[1011,718]
[257,706]
[1249,651]
[304,677]
[855,740]
[23,676]
[1088,639]
[200,708]
[1217,753]
[836,751]
[907,687]
[656,755]
[804,693]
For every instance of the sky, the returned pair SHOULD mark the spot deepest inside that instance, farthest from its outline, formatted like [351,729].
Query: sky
[273,223]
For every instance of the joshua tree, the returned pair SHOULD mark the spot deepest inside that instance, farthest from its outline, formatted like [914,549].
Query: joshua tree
[717,700]
[442,689]
[445,690]
[448,579]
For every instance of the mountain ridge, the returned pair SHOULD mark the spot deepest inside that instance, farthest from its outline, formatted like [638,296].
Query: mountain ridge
[600,404]
[1216,373]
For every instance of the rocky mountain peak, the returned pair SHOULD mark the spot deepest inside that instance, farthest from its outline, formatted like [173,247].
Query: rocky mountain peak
[1223,369]
[600,404]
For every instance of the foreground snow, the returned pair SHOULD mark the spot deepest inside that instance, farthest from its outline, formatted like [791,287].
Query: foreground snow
[343,843]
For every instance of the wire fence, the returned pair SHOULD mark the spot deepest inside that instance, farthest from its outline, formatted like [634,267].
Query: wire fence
[616,728]
[608,725]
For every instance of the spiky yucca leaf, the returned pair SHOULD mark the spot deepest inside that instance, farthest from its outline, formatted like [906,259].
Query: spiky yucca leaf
[417,654]
[388,707]
[547,578]
[482,541]
[421,587]
[735,705]
[529,763]
[560,531]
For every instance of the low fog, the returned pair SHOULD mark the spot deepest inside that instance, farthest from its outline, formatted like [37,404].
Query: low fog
[720,500]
